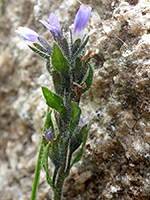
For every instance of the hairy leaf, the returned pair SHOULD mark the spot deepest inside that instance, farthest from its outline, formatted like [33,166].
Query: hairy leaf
[59,62]
[78,66]
[54,101]
[81,138]
[45,164]
[49,122]
[54,152]
[58,83]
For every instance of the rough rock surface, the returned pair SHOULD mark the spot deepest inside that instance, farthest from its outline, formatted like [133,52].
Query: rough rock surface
[116,162]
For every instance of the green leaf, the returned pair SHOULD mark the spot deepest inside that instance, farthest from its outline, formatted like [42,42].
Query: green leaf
[75,116]
[54,152]
[54,101]
[81,139]
[54,175]
[78,67]
[45,164]
[49,122]
[89,79]
[58,83]
[59,62]
[77,139]
[44,55]
[78,64]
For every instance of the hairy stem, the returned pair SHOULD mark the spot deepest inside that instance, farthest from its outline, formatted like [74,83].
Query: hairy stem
[61,174]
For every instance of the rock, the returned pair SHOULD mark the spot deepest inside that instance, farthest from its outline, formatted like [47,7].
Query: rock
[116,162]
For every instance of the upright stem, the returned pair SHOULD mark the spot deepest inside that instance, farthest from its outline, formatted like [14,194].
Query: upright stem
[59,185]
[37,173]
[64,149]
[38,166]
[61,173]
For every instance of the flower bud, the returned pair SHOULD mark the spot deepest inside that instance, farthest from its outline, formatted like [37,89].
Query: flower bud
[27,34]
[81,19]
[48,134]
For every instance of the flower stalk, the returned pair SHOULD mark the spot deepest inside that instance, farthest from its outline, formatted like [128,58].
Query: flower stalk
[72,75]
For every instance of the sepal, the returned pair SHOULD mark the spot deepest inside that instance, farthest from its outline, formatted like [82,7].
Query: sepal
[42,54]
[65,48]
[76,45]
[81,47]
[46,45]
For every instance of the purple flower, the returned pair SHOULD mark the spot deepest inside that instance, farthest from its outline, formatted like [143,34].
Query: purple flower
[54,25]
[48,134]
[27,34]
[81,19]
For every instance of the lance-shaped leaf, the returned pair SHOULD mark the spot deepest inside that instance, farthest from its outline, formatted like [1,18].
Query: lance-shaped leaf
[81,138]
[45,164]
[55,151]
[42,54]
[58,83]
[89,79]
[54,101]
[59,62]
[75,142]
[78,66]
[48,122]
[75,116]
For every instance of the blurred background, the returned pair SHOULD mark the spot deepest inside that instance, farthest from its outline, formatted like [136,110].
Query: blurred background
[116,164]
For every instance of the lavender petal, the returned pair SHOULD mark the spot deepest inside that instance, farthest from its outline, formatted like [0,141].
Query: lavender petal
[27,34]
[81,19]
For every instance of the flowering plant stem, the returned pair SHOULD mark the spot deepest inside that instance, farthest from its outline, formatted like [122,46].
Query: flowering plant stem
[68,64]
[59,185]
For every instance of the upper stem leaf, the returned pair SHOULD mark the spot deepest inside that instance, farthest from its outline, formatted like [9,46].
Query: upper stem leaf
[54,101]
[59,61]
